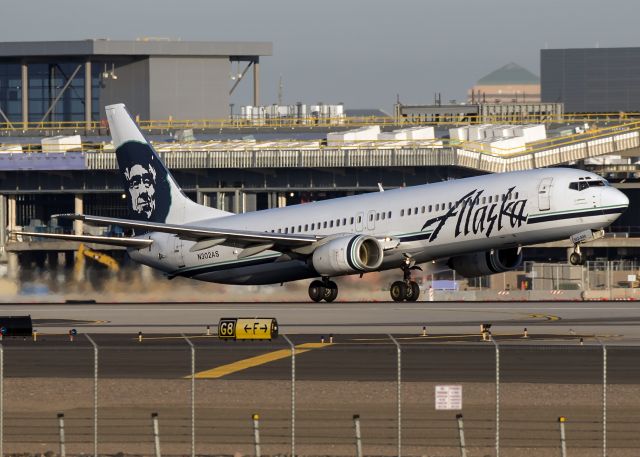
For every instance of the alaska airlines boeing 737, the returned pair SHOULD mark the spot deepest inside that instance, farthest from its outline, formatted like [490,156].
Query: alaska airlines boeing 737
[476,226]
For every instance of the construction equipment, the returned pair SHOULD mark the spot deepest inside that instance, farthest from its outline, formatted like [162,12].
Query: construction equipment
[100,257]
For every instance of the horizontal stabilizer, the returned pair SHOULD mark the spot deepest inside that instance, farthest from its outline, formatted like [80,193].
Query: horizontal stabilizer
[109,240]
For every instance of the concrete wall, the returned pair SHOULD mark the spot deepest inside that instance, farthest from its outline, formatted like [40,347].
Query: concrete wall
[189,87]
[163,87]
[131,88]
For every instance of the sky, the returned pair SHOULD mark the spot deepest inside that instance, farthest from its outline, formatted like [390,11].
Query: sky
[358,52]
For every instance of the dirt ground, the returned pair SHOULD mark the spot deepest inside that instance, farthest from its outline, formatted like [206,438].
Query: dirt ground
[323,418]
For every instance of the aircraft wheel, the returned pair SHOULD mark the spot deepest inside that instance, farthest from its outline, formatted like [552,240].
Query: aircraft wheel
[576,259]
[413,291]
[330,291]
[398,291]
[316,290]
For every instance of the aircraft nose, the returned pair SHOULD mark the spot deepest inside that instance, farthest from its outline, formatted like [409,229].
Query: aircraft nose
[619,198]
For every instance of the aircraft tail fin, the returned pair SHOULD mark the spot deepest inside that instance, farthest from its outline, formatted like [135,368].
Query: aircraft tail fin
[151,192]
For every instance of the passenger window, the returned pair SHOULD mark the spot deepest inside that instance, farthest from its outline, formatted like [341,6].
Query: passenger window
[359,219]
[409,212]
[330,224]
[383,214]
[344,221]
[286,230]
[401,213]
[293,230]
[299,228]
[351,221]
[313,226]
[306,227]
[416,211]
[430,208]
[516,196]
[324,224]
[377,216]
[423,209]
[437,206]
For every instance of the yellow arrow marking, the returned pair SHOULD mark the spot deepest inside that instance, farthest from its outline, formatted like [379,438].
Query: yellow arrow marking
[544,316]
[224,370]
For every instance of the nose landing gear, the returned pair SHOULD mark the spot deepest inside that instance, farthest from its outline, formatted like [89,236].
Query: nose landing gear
[324,289]
[577,257]
[406,289]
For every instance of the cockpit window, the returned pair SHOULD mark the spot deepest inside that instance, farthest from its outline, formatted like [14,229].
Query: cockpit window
[582,185]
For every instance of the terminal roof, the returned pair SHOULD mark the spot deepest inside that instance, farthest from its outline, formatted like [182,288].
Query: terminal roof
[97,47]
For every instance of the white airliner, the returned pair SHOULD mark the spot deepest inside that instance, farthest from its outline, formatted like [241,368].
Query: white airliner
[476,226]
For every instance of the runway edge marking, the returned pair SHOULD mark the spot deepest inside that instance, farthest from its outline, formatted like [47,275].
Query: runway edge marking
[234,367]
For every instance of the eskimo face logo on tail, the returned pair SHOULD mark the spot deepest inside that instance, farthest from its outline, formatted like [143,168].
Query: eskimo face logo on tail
[146,186]
[474,217]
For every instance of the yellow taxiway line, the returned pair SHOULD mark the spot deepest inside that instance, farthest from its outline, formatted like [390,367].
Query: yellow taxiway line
[224,370]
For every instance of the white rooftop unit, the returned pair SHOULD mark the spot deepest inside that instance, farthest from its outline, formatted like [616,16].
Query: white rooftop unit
[504,145]
[476,132]
[61,143]
[394,135]
[459,133]
[531,133]
[504,131]
[421,133]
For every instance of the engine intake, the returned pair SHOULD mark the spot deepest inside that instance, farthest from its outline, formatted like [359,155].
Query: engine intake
[487,262]
[348,254]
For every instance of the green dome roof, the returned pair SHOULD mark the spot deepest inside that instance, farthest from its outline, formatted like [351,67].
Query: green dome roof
[511,73]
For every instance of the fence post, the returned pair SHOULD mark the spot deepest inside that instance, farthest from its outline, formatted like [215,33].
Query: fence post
[1,400]
[463,448]
[356,426]
[604,399]
[63,451]
[95,395]
[497,397]
[563,437]
[256,434]
[156,433]
[193,395]
[399,394]
[293,396]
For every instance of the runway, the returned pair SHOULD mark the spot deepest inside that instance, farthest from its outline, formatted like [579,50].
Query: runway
[612,321]
[362,348]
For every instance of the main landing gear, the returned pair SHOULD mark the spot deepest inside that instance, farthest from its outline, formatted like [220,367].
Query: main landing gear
[406,289]
[324,289]
[577,257]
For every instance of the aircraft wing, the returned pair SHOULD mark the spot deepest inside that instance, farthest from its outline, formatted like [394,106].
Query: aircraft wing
[206,237]
[109,240]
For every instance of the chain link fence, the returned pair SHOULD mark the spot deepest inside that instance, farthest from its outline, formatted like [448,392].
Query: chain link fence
[197,395]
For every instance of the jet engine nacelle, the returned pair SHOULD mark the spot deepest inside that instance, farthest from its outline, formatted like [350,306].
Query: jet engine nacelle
[348,254]
[487,262]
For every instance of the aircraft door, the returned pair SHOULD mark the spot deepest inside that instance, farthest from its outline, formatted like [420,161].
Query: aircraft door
[177,251]
[359,222]
[544,194]
[371,220]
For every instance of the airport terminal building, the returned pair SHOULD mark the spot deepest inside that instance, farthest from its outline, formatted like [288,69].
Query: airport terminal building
[591,80]
[47,81]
